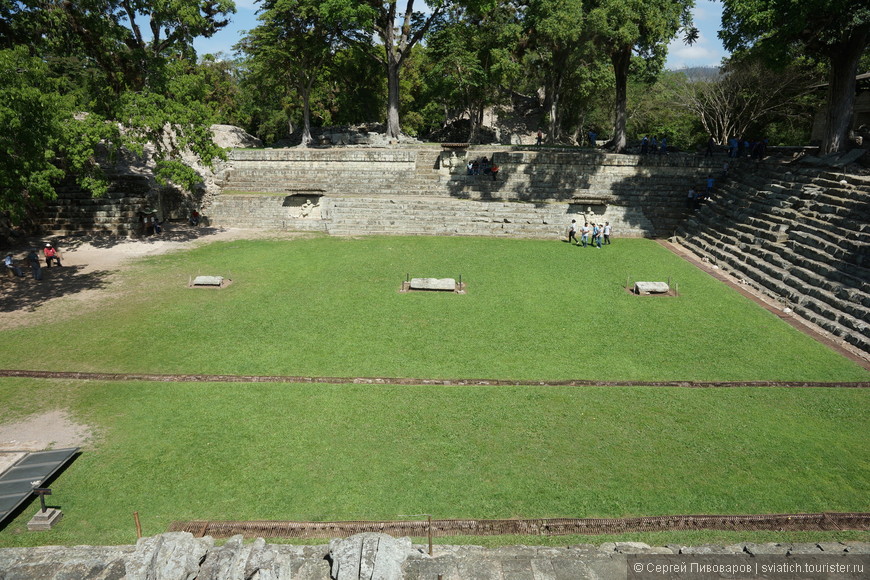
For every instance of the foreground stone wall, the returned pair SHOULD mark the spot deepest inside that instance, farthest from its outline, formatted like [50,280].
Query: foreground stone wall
[414,190]
[180,556]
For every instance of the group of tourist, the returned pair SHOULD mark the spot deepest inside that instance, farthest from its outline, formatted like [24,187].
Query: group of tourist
[740,148]
[652,146]
[483,166]
[590,235]
[49,252]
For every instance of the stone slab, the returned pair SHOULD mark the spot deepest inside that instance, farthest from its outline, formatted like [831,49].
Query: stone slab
[208,281]
[443,284]
[651,288]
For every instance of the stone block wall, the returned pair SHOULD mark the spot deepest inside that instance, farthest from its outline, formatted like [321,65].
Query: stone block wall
[329,171]
[267,211]
[371,190]
[180,556]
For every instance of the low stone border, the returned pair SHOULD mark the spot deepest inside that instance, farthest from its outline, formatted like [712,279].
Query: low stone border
[79,376]
[180,556]
[528,527]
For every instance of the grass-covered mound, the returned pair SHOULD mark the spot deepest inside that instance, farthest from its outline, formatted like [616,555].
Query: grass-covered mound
[535,310]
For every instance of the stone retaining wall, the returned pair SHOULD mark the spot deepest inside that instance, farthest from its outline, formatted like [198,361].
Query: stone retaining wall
[371,191]
[180,556]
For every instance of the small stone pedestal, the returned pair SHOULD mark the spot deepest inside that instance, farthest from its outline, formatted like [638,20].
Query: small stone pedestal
[646,288]
[44,520]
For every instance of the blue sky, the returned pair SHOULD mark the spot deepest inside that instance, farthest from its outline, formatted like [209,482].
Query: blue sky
[707,51]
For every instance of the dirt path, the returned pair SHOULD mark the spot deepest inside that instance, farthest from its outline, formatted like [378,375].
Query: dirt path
[50,430]
[90,267]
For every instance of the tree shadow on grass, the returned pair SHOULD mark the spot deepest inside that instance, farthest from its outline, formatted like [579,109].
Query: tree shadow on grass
[27,294]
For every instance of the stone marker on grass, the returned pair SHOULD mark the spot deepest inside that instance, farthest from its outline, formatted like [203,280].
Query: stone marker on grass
[214,282]
[208,280]
[433,285]
[443,284]
[651,288]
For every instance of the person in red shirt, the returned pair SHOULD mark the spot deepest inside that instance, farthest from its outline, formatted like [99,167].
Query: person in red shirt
[50,254]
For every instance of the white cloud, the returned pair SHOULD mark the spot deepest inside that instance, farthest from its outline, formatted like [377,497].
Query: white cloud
[708,49]
[704,52]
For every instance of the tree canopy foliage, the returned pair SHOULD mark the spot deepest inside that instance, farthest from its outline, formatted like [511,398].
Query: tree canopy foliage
[74,71]
[40,127]
[422,67]
[834,31]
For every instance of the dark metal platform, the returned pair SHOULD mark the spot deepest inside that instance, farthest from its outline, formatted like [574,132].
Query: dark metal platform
[32,470]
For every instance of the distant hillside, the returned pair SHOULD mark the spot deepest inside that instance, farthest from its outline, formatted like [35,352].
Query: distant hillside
[698,73]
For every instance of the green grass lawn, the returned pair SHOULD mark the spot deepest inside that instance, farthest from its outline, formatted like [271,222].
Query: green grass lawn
[339,452]
[534,310]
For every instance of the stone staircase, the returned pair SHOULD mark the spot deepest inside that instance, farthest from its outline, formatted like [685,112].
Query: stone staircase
[76,211]
[798,235]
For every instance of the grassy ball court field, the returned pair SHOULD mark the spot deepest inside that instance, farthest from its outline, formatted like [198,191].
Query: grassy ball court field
[534,311]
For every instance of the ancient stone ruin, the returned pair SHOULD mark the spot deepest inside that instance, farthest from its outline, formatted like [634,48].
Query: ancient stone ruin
[373,556]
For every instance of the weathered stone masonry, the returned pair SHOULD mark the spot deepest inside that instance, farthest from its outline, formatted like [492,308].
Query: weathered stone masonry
[427,190]
[180,556]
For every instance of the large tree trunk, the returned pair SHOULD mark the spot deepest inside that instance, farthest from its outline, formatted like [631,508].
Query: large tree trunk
[555,131]
[306,119]
[304,88]
[620,59]
[393,66]
[557,77]
[841,92]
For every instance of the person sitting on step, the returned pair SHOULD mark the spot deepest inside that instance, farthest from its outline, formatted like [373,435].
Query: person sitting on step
[51,255]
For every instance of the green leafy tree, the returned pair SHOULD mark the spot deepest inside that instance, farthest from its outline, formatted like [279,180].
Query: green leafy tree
[622,28]
[221,76]
[474,57]
[124,38]
[41,136]
[553,45]
[355,87]
[293,43]
[654,109]
[399,31]
[175,120]
[834,31]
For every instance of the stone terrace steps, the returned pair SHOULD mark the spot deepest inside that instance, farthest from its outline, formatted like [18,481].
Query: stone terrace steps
[408,216]
[803,241]
[76,211]
[808,292]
